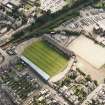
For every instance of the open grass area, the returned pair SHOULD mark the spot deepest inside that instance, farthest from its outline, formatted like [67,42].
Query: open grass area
[46,57]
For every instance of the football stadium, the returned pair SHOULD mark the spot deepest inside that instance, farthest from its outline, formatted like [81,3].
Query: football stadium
[46,57]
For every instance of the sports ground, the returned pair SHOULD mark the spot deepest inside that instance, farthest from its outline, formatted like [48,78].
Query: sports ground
[89,51]
[46,57]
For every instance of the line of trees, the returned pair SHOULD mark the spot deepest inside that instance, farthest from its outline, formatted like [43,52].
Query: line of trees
[48,17]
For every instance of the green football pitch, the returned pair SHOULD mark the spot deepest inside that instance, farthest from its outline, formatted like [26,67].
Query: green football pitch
[46,57]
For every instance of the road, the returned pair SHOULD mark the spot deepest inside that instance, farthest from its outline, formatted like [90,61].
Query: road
[59,19]
[51,23]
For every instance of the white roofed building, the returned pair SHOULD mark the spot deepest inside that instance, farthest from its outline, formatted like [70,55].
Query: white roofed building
[53,5]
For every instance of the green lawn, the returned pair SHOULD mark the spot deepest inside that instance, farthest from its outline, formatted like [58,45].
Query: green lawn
[46,57]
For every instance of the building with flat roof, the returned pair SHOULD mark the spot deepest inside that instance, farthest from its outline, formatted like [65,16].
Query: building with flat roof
[14,2]
[52,5]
